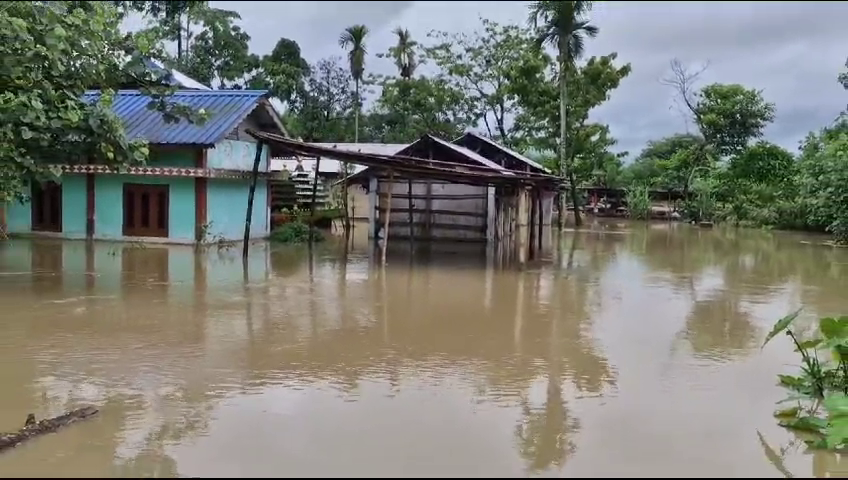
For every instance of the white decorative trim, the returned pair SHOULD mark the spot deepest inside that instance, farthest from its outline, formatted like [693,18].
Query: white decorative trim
[191,172]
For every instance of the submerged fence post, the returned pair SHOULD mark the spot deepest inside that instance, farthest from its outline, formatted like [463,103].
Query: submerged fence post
[250,195]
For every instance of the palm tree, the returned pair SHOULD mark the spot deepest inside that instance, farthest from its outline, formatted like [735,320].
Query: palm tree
[562,25]
[403,53]
[353,38]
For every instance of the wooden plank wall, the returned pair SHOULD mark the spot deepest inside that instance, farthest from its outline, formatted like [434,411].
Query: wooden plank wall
[440,210]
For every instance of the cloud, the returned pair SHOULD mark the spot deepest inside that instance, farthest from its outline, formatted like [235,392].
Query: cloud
[792,51]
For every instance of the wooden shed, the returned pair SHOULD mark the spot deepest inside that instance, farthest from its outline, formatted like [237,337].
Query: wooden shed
[435,190]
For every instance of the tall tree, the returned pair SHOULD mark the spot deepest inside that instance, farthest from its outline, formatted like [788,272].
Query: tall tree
[353,38]
[219,55]
[562,24]
[211,48]
[53,52]
[283,71]
[728,116]
[409,108]
[483,64]
[589,86]
[403,53]
[321,113]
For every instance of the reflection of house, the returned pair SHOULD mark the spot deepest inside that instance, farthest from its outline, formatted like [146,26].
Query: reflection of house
[193,188]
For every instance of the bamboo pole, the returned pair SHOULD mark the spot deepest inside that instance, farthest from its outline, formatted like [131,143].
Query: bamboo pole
[250,195]
[388,215]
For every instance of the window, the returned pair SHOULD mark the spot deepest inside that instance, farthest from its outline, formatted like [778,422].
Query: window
[46,207]
[145,210]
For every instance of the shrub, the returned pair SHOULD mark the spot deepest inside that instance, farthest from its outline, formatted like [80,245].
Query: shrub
[295,232]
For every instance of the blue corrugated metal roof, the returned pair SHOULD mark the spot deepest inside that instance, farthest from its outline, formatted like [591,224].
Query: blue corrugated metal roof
[226,109]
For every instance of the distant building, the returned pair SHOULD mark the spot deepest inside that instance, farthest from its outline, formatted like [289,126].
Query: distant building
[194,187]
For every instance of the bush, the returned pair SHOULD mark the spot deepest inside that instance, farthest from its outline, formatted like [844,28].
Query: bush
[295,232]
[638,202]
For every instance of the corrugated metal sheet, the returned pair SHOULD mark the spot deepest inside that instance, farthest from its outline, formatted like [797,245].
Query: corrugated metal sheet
[508,151]
[226,109]
[370,148]
[472,155]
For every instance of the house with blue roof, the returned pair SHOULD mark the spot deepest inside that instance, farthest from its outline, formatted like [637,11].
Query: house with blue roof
[193,189]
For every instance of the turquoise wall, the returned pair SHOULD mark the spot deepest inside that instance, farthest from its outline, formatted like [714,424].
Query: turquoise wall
[172,158]
[226,205]
[73,206]
[18,218]
[226,198]
[109,205]
[236,155]
[19,215]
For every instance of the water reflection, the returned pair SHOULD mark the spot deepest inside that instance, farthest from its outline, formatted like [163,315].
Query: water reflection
[319,362]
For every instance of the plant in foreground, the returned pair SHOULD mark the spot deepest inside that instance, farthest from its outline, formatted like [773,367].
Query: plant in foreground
[820,390]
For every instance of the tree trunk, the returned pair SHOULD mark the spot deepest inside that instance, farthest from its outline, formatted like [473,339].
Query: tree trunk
[566,166]
[345,165]
[33,429]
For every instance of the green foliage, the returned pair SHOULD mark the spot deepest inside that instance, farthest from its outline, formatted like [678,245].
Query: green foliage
[589,86]
[823,179]
[638,202]
[730,116]
[282,72]
[822,381]
[321,113]
[408,109]
[53,52]
[211,48]
[295,232]
[484,65]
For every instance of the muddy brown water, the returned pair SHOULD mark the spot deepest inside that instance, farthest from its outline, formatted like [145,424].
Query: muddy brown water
[638,356]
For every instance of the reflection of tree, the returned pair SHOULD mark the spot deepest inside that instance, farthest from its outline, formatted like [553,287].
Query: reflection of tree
[543,435]
[719,326]
[754,267]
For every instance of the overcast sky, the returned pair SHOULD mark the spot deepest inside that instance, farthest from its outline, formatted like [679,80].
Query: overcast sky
[793,51]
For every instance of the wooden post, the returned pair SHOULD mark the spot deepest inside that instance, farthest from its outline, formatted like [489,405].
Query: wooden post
[521,220]
[250,195]
[314,197]
[429,205]
[541,220]
[532,234]
[388,215]
[409,205]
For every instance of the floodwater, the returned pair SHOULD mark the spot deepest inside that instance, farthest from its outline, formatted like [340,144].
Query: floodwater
[639,356]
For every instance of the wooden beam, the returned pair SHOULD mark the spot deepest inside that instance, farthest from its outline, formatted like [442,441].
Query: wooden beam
[458,213]
[470,196]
